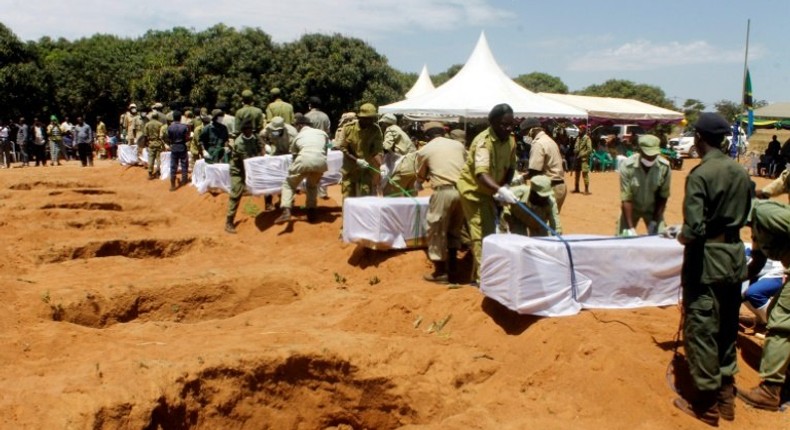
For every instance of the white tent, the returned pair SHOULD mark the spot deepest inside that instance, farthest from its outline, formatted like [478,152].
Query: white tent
[423,85]
[616,109]
[479,86]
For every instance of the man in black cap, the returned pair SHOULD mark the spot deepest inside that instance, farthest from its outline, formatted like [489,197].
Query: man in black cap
[716,207]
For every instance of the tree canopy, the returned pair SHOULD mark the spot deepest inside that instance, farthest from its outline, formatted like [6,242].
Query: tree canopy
[538,82]
[629,90]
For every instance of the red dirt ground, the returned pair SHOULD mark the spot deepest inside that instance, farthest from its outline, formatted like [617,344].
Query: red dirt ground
[125,306]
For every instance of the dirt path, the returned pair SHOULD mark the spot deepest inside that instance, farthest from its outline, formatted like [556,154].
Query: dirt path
[125,306]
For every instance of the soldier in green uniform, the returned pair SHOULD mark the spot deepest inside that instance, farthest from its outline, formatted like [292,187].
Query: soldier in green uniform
[279,108]
[538,196]
[245,146]
[249,112]
[489,167]
[715,208]
[195,149]
[644,188]
[583,150]
[213,138]
[362,144]
[770,222]
[153,137]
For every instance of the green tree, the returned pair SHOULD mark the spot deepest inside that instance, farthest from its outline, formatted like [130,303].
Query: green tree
[630,90]
[729,110]
[24,86]
[538,82]
[691,110]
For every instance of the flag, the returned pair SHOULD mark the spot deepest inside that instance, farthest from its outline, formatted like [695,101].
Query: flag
[748,102]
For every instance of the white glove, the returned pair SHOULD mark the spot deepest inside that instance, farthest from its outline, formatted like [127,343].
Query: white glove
[671,232]
[362,163]
[206,154]
[629,232]
[505,195]
[652,228]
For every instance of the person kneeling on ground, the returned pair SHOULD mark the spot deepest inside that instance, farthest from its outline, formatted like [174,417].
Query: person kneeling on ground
[309,152]
[539,198]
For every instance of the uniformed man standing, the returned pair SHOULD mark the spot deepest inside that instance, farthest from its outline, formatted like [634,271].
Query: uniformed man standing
[178,137]
[279,108]
[317,117]
[213,138]
[538,196]
[545,158]
[245,146]
[195,148]
[362,144]
[440,163]
[488,170]
[582,151]
[101,138]
[309,164]
[644,188]
[249,112]
[770,222]
[715,207]
[155,142]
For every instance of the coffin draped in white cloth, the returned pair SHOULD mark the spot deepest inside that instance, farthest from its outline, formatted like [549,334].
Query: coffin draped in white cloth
[127,154]
[263,175]
[385,222]
[211,176]
[533,275]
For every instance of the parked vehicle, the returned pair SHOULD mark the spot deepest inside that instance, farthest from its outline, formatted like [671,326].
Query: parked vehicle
[684,145]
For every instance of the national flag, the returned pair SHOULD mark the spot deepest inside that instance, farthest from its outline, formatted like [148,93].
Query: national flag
[748,103]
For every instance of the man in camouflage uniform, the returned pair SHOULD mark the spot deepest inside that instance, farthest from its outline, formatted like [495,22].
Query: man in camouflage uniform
[715,208]
[362,144]
[245,146]
[545,158]
[277,136]
[309,151]
[645,180]
[539,198]
[156,144]
[770,222]
[582,151]
[399,153]
[195,148]
[489,168]
[279,108]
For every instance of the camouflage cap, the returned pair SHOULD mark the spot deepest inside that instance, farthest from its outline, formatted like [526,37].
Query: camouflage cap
[157,106]
[541,185]
[275,91]
[367,110]
[458,135]
[649,145]
[246,94]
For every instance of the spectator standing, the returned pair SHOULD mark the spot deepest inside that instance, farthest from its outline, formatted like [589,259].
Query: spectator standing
[83,140]
[101,138]
[5,144]
[23,140]
[56,148]
[39,142]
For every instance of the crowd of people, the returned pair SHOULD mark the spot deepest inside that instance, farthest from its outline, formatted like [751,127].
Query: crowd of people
[508,177]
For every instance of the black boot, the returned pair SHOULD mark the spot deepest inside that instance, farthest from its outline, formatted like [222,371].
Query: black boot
[172,184]
[726,398]
[452,266]
[229,227]
[439,274]
[285,217]
[704,408]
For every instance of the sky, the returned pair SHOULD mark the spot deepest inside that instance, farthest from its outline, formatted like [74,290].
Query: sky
[691,49]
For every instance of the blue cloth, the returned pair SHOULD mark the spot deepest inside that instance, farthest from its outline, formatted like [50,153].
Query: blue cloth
[759,293]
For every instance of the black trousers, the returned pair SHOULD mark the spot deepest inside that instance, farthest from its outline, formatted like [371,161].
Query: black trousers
[85,151]
[39,153]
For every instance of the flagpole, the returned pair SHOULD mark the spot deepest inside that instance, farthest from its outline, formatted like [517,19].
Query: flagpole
[746,55]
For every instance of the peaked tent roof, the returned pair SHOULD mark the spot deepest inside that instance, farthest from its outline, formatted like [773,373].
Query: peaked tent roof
[611,108]
[423,85]
[479,86]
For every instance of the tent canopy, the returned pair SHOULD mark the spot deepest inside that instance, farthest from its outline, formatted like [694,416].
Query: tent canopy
[479,86]
[423,85]
[611,109]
